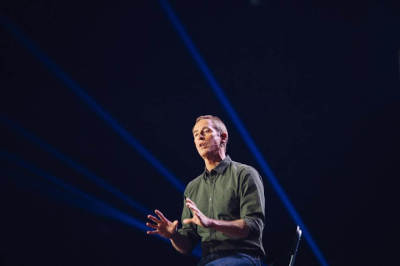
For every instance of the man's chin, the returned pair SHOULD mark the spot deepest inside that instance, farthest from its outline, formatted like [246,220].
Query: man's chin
[203,153]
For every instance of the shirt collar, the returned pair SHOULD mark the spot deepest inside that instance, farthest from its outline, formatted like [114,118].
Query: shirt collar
[220,168]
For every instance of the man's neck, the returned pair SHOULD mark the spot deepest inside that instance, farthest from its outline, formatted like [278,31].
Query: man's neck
[212,161]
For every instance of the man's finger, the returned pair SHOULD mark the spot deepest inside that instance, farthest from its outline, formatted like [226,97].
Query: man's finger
[188,221]
[192,207]
[151,225]
[193,210]
[161,215]
[190,204]
[196,212]
[154,219]
[189,200]
[152,232]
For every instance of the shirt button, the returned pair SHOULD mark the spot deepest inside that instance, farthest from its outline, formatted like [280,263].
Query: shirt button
[210,199]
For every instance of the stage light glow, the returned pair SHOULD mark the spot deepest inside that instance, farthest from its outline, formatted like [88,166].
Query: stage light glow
[80,199]
[94,106]
[240,127]
[74,165]
[84,200]
[89,203]
[133,142]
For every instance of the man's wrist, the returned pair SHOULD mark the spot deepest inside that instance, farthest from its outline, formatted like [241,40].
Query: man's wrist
[174,234]
[212,223]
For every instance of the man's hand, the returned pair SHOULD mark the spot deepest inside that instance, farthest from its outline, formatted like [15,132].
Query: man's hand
[235,229]
[198,217]
[162,226]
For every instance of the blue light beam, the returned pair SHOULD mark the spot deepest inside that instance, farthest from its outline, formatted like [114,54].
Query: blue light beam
[70,199]
[59,73]
[89,202]
[240,127]
[74,165]
[81,199]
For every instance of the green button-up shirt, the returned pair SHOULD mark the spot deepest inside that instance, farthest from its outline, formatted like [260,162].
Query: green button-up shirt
[229,192]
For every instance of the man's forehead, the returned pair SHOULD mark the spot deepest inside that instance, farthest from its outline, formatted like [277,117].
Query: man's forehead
[202,123]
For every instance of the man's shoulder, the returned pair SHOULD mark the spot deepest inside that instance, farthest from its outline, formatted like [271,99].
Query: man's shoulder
[194,182]
[245,172]
[242,168]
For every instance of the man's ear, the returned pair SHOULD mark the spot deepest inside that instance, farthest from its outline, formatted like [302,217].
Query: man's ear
[224,137]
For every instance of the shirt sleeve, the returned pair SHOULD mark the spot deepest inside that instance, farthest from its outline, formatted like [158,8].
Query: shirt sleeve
[188,230]
[252,201]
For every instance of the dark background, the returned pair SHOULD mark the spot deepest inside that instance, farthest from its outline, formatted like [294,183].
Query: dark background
[316,83]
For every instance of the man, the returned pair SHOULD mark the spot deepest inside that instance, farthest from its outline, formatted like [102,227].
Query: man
[223,207]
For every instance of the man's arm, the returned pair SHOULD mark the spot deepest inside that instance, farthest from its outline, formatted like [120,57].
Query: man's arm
[236,228]
[181,243]
[168,229]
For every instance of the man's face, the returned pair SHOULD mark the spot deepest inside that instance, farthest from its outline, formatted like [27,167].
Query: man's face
[206,138]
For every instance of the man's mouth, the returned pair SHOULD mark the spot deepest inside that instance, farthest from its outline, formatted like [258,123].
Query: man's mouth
[202,145]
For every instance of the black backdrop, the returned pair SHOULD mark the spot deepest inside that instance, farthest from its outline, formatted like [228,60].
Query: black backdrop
[315,83]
